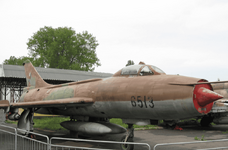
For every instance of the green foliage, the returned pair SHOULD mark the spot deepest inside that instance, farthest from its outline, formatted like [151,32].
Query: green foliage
[119,122]
[196,138]
[9,121]
[225,132]
[160,121]
[16,61]
[60,48]
[64,49]
[213,124]
[51,123]
[130,62]
[202,138]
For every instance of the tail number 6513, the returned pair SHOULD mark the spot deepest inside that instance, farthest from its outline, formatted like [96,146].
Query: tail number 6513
[139,101]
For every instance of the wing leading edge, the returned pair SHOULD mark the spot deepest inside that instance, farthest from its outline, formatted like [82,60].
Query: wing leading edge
[70,102]
[4,104]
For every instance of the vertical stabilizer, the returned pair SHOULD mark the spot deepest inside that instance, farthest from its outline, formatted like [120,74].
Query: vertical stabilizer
[33,78]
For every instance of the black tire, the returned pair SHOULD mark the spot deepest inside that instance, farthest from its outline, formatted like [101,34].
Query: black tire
[206,121]
[126,146]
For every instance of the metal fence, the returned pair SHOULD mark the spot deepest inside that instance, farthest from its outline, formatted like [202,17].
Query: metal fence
[12,139]
[34,143]
[8,138]
[193,142]
[92,141]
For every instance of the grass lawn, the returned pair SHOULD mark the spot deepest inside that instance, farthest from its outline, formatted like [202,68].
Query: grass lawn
[119,122]
[53,123]
[50,123]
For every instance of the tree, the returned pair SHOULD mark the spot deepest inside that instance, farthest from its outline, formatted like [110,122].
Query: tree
[63,48]
[130,62]
[16,61]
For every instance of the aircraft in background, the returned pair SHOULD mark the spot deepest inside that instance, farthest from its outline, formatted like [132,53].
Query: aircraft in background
[138,94]
[219,112]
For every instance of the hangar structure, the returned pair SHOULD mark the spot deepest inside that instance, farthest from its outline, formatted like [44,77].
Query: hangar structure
[12,79]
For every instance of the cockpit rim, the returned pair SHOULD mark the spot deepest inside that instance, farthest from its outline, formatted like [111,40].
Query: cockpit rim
[155,70]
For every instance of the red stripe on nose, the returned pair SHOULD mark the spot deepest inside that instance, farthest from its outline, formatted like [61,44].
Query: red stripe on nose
[205,96]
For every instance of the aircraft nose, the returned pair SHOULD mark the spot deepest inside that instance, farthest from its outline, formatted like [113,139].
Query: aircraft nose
[205,96]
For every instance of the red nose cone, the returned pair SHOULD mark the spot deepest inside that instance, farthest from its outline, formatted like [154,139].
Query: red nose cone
[206,96]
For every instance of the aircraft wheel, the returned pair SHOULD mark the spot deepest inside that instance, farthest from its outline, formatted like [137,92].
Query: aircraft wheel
[205,121]
[126,146]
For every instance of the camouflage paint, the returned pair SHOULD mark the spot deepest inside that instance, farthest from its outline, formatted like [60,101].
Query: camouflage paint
[31,81]
[64,84]
[28,88]
[32,76]
[60,93]
[22,97]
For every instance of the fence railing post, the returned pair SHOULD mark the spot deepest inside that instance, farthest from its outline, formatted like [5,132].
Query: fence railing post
[93,141]
[192,142]
[15,139]
[24,142]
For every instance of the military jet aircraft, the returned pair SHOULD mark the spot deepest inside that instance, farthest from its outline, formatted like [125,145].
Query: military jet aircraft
[219,111]
[138,94]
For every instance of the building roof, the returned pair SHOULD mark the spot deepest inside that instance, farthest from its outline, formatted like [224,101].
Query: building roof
[15,71]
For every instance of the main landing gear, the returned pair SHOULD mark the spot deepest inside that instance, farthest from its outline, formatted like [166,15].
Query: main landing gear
[206,121]
[128,138]
[25,123]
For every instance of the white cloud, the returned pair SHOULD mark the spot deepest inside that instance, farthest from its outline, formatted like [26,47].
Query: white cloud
[209,19]
[178,36]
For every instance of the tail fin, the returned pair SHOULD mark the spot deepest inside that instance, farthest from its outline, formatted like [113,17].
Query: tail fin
[33,78]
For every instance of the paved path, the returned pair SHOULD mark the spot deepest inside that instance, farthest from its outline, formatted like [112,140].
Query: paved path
[2,116]
[162,135]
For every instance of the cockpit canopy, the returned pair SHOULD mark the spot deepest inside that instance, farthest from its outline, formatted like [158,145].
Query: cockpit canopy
[139,70]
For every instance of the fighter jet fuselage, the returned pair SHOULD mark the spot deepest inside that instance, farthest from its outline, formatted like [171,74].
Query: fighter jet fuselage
[146,97]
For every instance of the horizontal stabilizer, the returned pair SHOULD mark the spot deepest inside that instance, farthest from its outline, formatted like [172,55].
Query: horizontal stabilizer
[4,103]
[70,102]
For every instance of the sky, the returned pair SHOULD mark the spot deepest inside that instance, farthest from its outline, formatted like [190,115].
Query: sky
[185,37]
